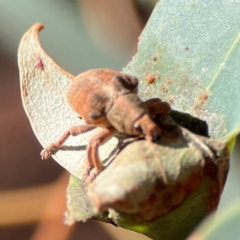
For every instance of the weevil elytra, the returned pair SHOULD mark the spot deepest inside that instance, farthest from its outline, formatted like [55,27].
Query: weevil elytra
[108,99]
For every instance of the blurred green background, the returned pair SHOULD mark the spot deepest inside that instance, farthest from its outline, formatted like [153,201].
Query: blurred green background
[78,35]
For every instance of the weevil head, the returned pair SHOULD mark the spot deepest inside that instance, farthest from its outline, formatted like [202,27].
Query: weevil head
[129,115]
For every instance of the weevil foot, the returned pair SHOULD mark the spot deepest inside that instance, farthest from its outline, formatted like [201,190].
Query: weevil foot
[86,171]
[90,173]
[156,107]
[47,152]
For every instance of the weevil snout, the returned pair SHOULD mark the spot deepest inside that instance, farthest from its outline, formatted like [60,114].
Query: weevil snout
[146,126]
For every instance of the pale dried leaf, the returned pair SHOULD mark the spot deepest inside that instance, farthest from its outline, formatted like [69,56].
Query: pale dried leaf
[43,87]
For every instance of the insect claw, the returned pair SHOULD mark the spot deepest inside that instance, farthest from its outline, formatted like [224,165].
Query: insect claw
[45,154]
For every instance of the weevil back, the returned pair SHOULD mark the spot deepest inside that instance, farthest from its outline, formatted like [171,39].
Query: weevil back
[92,93]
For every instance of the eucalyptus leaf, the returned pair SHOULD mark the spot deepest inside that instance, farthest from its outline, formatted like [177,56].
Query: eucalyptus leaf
[192,50]
[43,87]
[220,226]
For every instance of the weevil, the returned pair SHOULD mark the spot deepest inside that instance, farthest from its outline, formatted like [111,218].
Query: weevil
[108,99]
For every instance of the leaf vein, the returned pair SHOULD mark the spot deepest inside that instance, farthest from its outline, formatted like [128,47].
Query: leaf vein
[221,65]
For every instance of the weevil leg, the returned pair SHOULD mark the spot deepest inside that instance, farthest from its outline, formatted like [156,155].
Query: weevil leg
[156,106]
[73,131]
[89,174]
[96,141]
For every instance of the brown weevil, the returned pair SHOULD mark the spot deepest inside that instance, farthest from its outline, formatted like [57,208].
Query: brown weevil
[108,99]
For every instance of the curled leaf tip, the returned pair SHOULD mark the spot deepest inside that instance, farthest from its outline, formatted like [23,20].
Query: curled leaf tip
[37,27]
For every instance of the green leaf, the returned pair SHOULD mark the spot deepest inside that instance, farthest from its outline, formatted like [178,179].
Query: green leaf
[192,50]
[221,226]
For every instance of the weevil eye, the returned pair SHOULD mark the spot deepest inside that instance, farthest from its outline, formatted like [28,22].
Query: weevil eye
[137,127]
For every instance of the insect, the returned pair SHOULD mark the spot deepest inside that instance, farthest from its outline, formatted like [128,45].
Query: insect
[108,99]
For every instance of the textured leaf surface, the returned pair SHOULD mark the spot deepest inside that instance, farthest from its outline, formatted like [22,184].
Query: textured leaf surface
[221,226]
[192,50]
[43,87]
